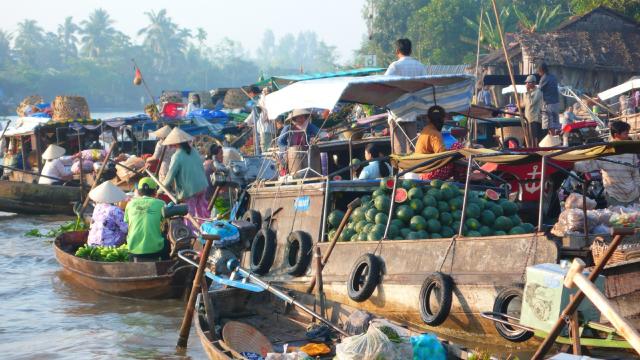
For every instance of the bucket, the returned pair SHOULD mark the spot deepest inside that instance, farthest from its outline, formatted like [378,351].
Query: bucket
[297,158]
[70,108]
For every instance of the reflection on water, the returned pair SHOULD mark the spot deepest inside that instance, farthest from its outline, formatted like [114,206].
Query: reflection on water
[45,316]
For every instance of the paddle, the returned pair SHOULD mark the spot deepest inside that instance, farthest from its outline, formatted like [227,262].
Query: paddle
[97,179]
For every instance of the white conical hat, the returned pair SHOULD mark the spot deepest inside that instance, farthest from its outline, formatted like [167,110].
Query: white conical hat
[107,193]
[550,141]
[177,136]
[163,132]
[53,152]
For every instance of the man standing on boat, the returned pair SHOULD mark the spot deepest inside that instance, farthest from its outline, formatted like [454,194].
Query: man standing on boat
[550,100]
[533,108]
[264,127]
[404,130]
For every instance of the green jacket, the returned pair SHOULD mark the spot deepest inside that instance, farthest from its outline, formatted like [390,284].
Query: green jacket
[186,174]
[144,216]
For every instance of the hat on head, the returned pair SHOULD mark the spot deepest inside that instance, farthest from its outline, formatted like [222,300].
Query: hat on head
[177,136]
[550,141]
[148,182]
[163,132]
[107,193]
[531,79]
[297,112]
[53,152]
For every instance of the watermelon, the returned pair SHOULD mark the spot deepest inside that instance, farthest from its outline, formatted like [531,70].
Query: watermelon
[429,200]
[358,214]
[503,223]
[334,218]
[365,199]
[355,237]
[491,195]
[485,231]
[386,183]
[401,195]
[482,203]
[382,203]
[447,232]
[367,228]
[435,193]
[487,217]
[418,223]
[457,215]
[405,232]
[509,208]
[404,213]
[381,218]
[456,226]
[454,189]
[433,226]
[436,183]
[346,235]
[529,228]
[378,192]
[330,235]
[472,211]
[423,234]
[517,230]
[515,220]
[472,224]
[370,215]
[443,206]
[360,225]
[436,236]
[496,209]
[447,193]
[397,223]
[474,233]
[416,205]
[499,233]
[362,237]
[408,184]
[415,193]
[413,235]
[446,218]
[393,232]
[430,212]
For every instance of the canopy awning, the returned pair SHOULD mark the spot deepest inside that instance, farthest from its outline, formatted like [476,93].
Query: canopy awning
[288,79]
[26,126]
[633,83]
[401,95]
[509,89]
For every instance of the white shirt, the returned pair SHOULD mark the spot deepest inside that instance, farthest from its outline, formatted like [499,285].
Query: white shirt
[372,171]
[54,168]
[406,66]
[263,125]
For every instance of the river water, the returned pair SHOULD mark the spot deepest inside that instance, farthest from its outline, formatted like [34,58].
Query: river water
[45,316]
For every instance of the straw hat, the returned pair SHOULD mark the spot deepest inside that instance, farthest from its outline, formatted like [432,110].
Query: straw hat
[163,132]
[177,136]
[296,113]
[531,79]
[550,141]
[53,152]
[107,193]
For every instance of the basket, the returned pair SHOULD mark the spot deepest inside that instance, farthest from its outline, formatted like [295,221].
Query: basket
[235,99]
[70,108]
[625,253]
[241,337]
[28,101]
[171,97]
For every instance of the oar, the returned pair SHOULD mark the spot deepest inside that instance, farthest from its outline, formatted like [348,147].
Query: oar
[5,129]
[172,197]
[102,166]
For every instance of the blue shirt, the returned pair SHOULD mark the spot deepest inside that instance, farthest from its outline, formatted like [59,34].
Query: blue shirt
[549,87]
[372,171]
[287,133]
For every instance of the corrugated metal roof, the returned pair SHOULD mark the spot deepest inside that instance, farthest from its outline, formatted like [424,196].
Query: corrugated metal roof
[448,69]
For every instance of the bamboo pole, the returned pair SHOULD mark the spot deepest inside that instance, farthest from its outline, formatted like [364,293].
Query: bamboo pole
[525,125]
[478,50]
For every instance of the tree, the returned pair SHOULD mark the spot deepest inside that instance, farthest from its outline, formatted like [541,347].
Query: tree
[164,38]
[67,35]
[201,36]
[265,51]
[546,18]
[628,7]
[29,41]
[97,34]
[5,48]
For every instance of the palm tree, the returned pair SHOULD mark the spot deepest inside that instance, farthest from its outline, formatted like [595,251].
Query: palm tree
[164,39]
[30,38]
[489,37]
[201,36]
[97,34]
[546,18]
[67,35]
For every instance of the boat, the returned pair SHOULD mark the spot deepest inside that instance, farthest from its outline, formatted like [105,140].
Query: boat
[29,198]
[144,280]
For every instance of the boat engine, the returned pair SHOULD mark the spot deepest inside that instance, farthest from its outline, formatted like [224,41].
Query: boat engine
[232,237]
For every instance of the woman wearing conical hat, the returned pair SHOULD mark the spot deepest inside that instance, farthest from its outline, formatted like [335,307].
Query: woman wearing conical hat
[108,227]
[186,174]
[162,134]
[53,170]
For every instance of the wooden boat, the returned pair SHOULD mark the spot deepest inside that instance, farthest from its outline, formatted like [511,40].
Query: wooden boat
[145,280]
[28,198]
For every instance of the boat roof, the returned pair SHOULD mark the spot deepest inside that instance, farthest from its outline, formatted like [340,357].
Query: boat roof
[280,80]
[509,89]
[631,84]
[27,125]
[403,96]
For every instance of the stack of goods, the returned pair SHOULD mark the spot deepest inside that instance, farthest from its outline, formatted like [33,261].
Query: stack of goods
[26,106]
[67,108]
[104,253]
[429,211]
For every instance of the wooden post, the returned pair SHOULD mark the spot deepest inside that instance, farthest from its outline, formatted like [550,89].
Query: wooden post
[574,327]
[318,258]
[208,306]
[576,278]
[188,313]
[85,200]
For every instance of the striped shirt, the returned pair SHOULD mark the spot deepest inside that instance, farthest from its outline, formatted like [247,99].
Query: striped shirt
[621,182]
[406,66]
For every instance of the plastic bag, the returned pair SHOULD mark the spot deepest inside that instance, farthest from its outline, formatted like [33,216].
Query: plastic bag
[574,201]
[572,221]
[373,344]
[87,166]
[427,346]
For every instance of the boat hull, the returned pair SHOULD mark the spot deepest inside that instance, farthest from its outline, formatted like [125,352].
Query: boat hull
[26,198]
[145,280]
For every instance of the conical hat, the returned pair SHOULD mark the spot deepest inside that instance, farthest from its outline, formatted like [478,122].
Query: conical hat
[298,112]
[177,136]
[163,132]
[550,141]
[107,193]
[53,152]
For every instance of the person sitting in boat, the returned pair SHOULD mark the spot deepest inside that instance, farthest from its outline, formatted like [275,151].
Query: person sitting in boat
[108,227]
[194,103]
[186,174]
[621,179]
[430,140]
[375,169]
[143,215]
[299,131]
[162,134]
[54,171]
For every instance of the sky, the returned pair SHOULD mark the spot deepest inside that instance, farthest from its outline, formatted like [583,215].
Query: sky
[337,22]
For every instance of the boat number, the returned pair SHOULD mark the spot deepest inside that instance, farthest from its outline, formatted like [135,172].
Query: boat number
[302,203]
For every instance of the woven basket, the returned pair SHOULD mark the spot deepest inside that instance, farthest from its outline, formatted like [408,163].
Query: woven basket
[70,108]
[241,337]
[28,101]
[599,248]
[235,99]
[171,96]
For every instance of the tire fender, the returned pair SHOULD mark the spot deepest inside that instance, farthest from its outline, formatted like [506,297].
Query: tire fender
[365,276]
[441,286]
[298,254]
[263,251]
[501,305]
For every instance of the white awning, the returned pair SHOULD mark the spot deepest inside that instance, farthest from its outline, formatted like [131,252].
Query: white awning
[25,125]
[632,84]
[509,89]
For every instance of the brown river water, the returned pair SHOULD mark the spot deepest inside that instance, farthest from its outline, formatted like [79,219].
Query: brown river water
[44,316]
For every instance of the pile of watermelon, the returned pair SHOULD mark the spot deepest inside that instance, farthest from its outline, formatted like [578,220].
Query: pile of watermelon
[428,212]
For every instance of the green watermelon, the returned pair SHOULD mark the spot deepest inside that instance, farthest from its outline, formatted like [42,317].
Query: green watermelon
[382,203]
[401,196]
[436,183]
[416,205]
[423,234]
[473,211]
[360,225]
[443,206]
[517,230]
[335,217]
[499,233]
[452,187]
[430,212]
[456,226]
[435,193]
[365,199]
[405,232]
[381,218]
[346,235]
[447,193]
[509,208]
[447,232]
[457,214]
[446,218]
[529,228]
[429,200]
[487,217]
[503,223]
[433,226]
[485,231]
[397,223]
[362,237]
[408,184]
[367,228]
[515,220]
[386,183]
[358,214]
[378,192]
[355,237]
[496,209]
[404,213]
[413,235]
[330,235]
[370,215]
[415,193]
[418,223]
[394,231]
[482,203]
[474,233]
[472,224]
[436,236]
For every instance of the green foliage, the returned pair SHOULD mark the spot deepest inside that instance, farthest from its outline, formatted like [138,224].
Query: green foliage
[630,8]
[75,225]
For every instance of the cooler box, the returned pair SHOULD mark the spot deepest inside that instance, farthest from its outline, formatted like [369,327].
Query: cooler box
[545,296]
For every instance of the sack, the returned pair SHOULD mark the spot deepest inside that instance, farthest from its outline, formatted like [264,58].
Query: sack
[574,201]
[427,346]
[373,344]
[87,167]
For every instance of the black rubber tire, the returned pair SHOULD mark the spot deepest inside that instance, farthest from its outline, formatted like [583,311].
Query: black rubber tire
[435,281]
[298,254]
[365,276]
[501,305]
[253,217]
[263,251]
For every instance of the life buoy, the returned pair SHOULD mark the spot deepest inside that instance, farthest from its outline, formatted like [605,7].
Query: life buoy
[297,255]
[364,277]
[253,217]
[435,298]
[263,251]
[509,302]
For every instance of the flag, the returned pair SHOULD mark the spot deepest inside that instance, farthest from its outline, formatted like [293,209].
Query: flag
[137,79]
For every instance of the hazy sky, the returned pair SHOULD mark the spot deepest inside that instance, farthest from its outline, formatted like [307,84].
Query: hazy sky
[337,22]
